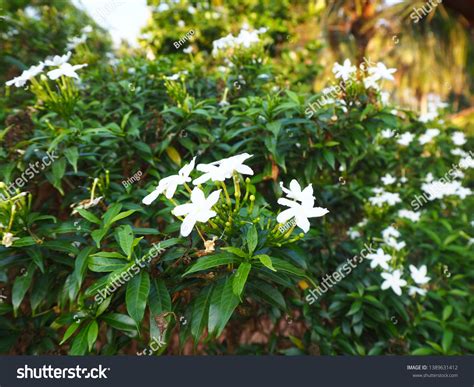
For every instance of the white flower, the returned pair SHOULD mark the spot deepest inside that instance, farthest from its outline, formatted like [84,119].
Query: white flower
[413,290]
[458,138]
[199,210]
[392,242]
[384,96]
[26,75]
[87,29]
[429,116]
[181,23]
[188,50]
[8,239]
[353,234]
[75,41]
[382,197]
[390,232]
[429,177]
[387,133]
[344,71]
[19,81]
[406,138]
[162,7]
[413,216]
[458,152]
[191,10]
[371,82]
[428,136]
[380,71]
[66,69]
[379,259]
[301,212]
[403,179]
[419,275]
[393,280]
[33,71]
[170,184]
[296,193]
[388,179]
[223,169]
[466,162]
[58,60]
[173,77]
[438,189]
[244,39]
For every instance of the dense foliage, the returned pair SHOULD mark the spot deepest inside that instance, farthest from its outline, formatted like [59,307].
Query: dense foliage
[242,280]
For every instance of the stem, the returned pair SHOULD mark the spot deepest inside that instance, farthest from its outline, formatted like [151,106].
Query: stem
[237,193]
[187,187]
[200,234]
[226,193]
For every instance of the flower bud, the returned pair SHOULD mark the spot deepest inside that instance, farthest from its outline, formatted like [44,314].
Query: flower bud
[252,198]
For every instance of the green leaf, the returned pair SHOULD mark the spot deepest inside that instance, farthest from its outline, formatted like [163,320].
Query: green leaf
[252,239]
[282,265]
[72,154]
[159,299]
[448,309]
[92,333]
[266,261]
[119,321]
[236,251]
[329,156]
[80,264]
[79,344]
[240,278]
[88,215]
[98,235]
[354,308]
[122,215]
[268,293]
[229,302]
[215,307]
[137,296]
[423,351]
[58,170]
[125,238]
[200,313]
[105,265]
[21,286]
[210,261]
[69,332]
[111,213]
[447,340]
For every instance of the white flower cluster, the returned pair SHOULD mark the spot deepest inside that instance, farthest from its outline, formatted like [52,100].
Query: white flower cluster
[245,39]
[390,235]
[301,207]
[77,40]
[381,197]
[376,73]
[433,107]
[200,208]
[393,278]
[63,69]
[437,189]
